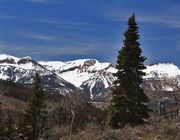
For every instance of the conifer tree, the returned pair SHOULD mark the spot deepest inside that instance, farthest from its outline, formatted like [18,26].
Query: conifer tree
[7,129]
[129,103]
[2,128]
[35,114]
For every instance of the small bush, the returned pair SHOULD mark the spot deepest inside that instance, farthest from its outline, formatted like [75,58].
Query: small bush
[110,135]
[170,130]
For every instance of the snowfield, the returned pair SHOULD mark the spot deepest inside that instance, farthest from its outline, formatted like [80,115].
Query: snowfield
[162,70]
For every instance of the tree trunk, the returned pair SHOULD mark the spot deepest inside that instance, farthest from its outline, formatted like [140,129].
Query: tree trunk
[72,121]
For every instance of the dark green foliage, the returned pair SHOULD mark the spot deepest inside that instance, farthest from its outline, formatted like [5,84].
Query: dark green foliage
[85,113]
[128,104]
[10,128]
[33,124]
[7,127]
[14,90]
[2,129]
[88,113]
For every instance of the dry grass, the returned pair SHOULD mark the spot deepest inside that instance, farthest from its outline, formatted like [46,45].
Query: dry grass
[12,104]
[159,129]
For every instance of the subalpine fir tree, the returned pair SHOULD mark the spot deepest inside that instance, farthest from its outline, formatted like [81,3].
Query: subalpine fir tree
[129,103]
[34,118]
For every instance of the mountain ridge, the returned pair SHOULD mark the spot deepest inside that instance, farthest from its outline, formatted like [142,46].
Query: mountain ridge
[89,76]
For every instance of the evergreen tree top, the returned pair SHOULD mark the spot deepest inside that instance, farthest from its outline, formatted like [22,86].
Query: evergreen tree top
[132,33]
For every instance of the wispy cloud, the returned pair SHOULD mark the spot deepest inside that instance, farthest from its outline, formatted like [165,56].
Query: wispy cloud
[39,36]
[66,24]
[168,18]
[30,49]
[37,0]
[65,51]
[8,17]
[71,38]
[40,1]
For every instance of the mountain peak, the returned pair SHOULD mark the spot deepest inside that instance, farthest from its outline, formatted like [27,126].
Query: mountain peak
[27,58]
[82,62]
[4,58]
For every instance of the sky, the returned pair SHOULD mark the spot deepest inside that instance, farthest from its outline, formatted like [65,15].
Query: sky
[74,29]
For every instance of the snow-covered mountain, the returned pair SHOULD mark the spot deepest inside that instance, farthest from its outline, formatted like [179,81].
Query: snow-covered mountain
[88,74]
[22,70]
[162,70]
[85,75]
[95,78]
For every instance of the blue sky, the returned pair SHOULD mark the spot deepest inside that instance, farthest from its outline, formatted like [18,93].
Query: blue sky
[74,29]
